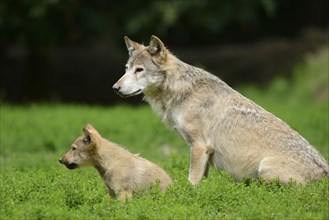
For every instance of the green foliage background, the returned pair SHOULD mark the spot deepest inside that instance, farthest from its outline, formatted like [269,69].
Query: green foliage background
[35,186]
[59,21]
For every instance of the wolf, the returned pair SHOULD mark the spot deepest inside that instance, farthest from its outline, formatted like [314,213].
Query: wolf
[122,172]
[221,127]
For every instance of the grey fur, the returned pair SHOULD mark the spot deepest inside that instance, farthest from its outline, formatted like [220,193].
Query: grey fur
[220,125]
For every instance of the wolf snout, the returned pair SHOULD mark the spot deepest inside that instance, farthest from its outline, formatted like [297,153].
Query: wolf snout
[68,164]
[61,160]
[116,88]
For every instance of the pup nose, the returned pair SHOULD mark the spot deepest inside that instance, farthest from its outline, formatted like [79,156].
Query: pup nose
[60,160]
[115,87]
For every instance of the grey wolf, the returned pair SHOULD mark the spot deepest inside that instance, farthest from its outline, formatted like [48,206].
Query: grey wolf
[222,127]
[122,172]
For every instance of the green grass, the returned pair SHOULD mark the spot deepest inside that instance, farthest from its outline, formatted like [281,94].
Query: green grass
[35,186]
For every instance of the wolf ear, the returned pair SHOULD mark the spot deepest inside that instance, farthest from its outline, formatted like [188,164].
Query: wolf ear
[91,133]
[131,45]
[157,48]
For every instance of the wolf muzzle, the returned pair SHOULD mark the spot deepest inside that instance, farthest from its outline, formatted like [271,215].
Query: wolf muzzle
[68,165]
[117,88]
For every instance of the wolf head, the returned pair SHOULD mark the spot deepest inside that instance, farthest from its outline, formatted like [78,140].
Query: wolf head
[144,70]
[82,149]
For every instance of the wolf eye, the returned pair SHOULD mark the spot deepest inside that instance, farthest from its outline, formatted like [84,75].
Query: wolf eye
[74,148]
[139,69]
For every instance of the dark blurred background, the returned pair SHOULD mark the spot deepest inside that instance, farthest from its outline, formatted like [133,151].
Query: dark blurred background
[73,50]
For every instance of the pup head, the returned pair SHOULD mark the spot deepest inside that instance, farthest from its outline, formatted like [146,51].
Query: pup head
[143,69]
[82,149]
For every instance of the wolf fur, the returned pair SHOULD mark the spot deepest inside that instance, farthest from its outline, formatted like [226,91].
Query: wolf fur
[221,126]
[121,171]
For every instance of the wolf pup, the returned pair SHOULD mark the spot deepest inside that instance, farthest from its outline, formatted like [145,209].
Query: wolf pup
[121,170]
[221,126]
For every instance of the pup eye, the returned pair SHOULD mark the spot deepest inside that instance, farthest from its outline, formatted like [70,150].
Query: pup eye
[139,69]
[74,148]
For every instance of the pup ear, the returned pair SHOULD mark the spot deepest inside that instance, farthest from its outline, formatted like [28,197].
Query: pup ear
[91,133]
[131,45]
[157,48]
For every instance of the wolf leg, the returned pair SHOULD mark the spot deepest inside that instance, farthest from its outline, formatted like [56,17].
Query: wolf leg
[199,163]
[282,168]
[207,171]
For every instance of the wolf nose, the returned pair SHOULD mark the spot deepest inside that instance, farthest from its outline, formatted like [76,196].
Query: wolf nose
[116,88]
[60,160]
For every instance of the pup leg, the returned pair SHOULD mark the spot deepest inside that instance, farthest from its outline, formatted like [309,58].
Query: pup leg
[125,195]
[111,192]
[284,168]
[199,165]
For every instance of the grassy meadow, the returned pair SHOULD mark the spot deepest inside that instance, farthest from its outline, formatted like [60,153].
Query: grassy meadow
[34,185]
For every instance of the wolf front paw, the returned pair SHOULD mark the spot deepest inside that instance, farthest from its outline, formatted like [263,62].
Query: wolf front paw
[194,181]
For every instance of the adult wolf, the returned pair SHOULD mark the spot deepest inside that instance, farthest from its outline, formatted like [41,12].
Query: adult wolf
[220,125]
